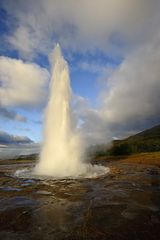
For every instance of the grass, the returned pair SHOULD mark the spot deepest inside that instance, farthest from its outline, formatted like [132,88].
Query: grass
[143,158]
[148,158]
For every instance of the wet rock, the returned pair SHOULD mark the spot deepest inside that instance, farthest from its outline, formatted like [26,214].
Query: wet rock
[43,192]
[155,219]
[9,188]
[129,215]
[153,172]
[120,206]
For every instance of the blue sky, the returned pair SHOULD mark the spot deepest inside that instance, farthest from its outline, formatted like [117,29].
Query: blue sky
[113,56]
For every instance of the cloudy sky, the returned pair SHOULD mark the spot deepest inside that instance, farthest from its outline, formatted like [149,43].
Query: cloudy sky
[113,49]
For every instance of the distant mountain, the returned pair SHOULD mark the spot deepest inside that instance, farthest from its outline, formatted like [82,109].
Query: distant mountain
[146,141]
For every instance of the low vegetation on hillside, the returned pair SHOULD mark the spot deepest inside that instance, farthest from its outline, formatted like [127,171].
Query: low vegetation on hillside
[146,141]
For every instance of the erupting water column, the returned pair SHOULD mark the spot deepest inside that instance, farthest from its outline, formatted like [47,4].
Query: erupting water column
[61,150]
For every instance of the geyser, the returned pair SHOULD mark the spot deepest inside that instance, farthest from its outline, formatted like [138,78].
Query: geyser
[61,153]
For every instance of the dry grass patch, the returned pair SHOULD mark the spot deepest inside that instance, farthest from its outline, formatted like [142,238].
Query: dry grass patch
[143,158]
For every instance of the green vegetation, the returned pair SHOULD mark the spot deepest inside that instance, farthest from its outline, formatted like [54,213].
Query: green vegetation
[119,149]
[146,141]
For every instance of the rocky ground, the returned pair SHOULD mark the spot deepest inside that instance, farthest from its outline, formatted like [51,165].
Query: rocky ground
[125,204]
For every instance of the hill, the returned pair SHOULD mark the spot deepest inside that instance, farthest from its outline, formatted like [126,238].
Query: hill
[152,133]
[146,141]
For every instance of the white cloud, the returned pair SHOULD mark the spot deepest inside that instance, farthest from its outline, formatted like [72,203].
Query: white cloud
[133,93]
[129,98]
[21,83]
[21,40]
[79,25]
[11,115]
[95,67]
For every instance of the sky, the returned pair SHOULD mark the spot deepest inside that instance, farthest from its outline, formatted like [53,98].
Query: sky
[113,51]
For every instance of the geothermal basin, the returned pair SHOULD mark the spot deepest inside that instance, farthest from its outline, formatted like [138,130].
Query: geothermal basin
[121,205]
